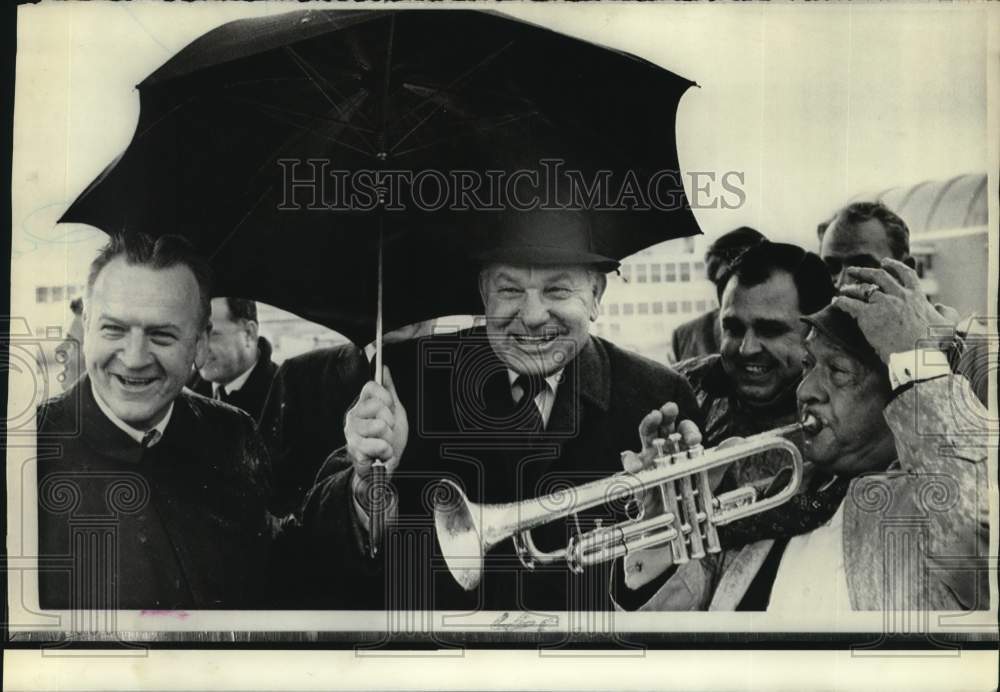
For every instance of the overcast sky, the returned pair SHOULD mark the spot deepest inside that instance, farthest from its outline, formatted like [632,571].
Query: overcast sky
[813,104]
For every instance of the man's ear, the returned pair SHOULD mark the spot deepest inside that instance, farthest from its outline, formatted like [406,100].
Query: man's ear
[201,347]
[484,279]
[910,262]
[253,330]
[600,285]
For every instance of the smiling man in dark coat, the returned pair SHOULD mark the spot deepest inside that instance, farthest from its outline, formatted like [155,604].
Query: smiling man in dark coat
[530,404]
[150,497]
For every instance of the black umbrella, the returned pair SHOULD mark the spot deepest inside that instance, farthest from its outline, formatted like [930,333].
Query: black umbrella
[251,140]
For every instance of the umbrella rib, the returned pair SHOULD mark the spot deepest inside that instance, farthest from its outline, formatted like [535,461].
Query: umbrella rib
[142,133]
[276,153]
[266,106]
[506,120]
[313,76]
[455,82]
[239,224]
[316,77]
[277,113]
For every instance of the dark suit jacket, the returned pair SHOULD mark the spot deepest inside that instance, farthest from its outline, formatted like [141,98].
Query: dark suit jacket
[178,525]
[698,337]
[457,396]
[251,396]
[303,418]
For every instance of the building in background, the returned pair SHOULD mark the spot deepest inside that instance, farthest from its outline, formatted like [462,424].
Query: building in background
[658,289]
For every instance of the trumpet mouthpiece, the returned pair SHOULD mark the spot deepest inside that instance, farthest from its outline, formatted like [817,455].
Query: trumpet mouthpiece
[811,423]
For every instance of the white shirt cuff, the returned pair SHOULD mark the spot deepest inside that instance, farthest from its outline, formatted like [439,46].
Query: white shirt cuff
[917,365]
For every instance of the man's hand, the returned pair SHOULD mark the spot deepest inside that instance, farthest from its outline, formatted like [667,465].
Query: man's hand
[376,428]
[643,566]
[897,317]
[660,424]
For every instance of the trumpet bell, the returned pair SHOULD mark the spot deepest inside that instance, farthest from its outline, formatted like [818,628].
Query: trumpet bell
[458,534]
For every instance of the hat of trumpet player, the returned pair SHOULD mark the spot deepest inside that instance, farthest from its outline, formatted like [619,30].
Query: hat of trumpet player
[843,330]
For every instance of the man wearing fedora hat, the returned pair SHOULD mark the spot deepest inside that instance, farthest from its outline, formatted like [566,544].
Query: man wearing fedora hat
[910,437]
[528,404]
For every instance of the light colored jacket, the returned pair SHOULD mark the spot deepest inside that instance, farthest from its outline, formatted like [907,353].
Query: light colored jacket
[915,537]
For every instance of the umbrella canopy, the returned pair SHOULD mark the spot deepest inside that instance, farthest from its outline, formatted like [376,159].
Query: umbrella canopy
[284,147]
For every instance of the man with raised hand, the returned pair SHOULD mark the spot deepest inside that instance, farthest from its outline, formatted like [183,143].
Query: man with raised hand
[868,235]
[911,440]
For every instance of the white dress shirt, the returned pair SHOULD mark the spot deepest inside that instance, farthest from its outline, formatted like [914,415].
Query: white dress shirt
[545,399]
[134,433]
[235,385]
[811,577]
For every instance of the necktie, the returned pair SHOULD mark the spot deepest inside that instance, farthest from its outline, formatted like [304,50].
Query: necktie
[222,395]
[146,451]
[150,438]
[527,415]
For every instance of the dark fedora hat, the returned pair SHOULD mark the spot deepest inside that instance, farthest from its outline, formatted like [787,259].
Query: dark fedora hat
[843,330]
[544,237]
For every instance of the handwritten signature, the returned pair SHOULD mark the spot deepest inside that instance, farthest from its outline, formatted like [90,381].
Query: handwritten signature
[524,621]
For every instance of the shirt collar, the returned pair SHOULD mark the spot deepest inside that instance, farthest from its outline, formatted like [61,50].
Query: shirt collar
[134,433]
[236,384]
[552,380]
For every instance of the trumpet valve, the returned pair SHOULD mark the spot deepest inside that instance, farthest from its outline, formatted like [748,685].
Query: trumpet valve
[675,442]
[707,504]
[659,443]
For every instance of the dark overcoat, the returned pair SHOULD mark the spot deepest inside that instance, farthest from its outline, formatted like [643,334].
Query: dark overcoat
[303,417]
[178,525]
[461,426]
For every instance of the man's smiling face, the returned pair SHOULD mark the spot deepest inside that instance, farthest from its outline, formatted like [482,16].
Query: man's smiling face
[762,337]
[144,332]
[538,317]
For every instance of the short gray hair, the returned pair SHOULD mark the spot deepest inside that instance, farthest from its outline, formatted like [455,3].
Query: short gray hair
[160,253]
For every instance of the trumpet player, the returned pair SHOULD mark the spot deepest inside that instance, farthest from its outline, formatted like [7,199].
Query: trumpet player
[910,438]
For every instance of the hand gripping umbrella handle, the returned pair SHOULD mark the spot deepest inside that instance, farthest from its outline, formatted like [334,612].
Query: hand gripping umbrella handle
[378,495]
[378,490]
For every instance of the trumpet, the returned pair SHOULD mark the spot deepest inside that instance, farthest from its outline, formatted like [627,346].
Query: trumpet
[466,531]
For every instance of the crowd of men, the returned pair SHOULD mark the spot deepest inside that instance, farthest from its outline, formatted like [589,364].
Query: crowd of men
[249,485]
